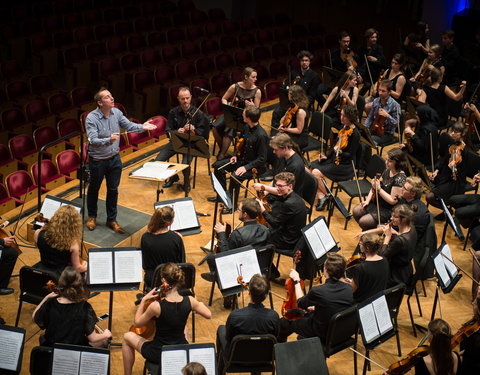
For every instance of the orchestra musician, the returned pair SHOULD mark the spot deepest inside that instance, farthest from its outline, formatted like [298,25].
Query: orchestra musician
[451,58]
[337,164]
[241,94]
[385,115]
[412,191]
[59,241]
[294,122]
[433,60]
[416,45]
[66,316]
[321,302]
[471,345]
[440,358]
[449,176]
[304,77]
[370,275]
[253,154]
[170,314]
[344,58]
[373,52]
[8,258]
[103,131]
[467,206]
[389,190]
[194,368]
[345,92]
[254,319]
[159,244]
[287,160]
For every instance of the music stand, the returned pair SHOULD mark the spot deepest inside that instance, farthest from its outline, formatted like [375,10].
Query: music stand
[421,171]
[331,77]
[365,135]
[335,202]
[449,219]
[174,357]
[233,117]
[283,98]
[12,339]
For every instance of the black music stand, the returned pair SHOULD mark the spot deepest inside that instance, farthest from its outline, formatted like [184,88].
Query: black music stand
[452,221]
[365,135]
[331,76]
[233,117]
[283,98]
[335,202]
[421,171]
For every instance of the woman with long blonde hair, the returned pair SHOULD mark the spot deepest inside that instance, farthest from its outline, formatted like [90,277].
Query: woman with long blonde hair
[59,241]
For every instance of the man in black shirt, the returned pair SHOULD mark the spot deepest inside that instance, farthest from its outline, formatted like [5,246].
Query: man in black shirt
[344,58]
[321,302]
[450,58]
[412,192]
[287,160]
[288,215]
[305,77]
[373,52]
[180,120]
[254,319]
[253,154]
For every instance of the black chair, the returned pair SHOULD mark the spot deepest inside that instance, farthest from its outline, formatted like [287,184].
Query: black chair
[33,286]
[315,127]
[309,193]
[250,353]
[374,166]
[40,360]
[342,333]
[394,297]
[308,354]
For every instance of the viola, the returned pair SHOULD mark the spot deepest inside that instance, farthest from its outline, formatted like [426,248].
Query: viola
[348,57]
[378,126]
[342,142]
[355,259]
[467,329]
[290,309]
[377,177]
[262,196]
[287,120]
[408,362]
[455,152]
[240,145]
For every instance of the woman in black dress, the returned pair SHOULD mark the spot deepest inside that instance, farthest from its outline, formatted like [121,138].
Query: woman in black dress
[159,244]
[337,165]
[294,123]
[66,316]
[471,345]
[390,189]
[170,314]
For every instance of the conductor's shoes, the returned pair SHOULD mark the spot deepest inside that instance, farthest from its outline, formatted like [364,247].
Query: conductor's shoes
[91,223]
[170,181]
[115,226]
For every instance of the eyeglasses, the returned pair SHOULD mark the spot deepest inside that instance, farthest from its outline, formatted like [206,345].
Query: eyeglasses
[281,185]
[404,188]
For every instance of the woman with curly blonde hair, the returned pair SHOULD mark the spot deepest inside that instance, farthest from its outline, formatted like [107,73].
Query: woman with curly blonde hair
[59,241]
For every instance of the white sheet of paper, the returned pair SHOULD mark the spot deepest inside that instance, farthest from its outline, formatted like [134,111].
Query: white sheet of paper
[227,271]
[128,266]
[11,344]
[185,214]
[315,242]
[173,361]
[205,356]
[325,235]
[368,323]
[100,267]
[94,363]
[153,170]
[382,314]
[451,268]
[217,186]
[439,262]
[248,264]
[229,267]
[49,207]
[65,362]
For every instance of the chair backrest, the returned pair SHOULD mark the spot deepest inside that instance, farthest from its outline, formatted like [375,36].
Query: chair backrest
[21,145]
[308,354]
[315,126]
[394,297]
[68,161]
[40,360]
[252,350]
[342,331]
[48,169]
[18,183]
[375,165]
[425,267]
[265,257]
[310,186]
[44,135]
[189,272]
[33,284]
[161,123]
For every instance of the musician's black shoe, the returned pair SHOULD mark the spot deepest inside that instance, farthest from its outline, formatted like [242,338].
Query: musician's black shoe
[208,276]
[185,188]
[440,217]
[170,181]
[212,199]
[322,202]
[5,291]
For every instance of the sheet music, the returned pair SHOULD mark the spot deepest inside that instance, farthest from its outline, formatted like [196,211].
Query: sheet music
[315,243]
[325,235]
[217,186]
[100,267]
[49,207]
[94,363]
[382,314]
[368,323]
[128,266]
[248,264]
[65,362]
[10,349]
[205,356]
[173,361]
[451,268]
[230,266]
[153,170]
[441,270]
[185,215]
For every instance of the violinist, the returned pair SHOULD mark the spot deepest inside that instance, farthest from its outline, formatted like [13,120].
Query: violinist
[412,191]
[373,52]
[467,206]
[451,58]
[304,77]
[159,244]
[384,116]
[389,189]
[440,360]
[433,60]
[344,93]
[66,316]
[370,276]
[59,241]
[254,154]
[241,94]
[449,176]
[344,58]
[471,344]
[336,166]
[254,319]
[8,258]
[416,45]
[322,302]
[294,123]
[170,314]
[179,120]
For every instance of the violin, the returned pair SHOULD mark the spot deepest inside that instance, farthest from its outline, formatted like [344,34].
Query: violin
[378,126]
[408,362]
[342,142]
[40,219]
[455,152]
[467,329]
[355,259]
[290,309]
[262,196]
[408,141]
[240,145]
[228,227]
[287,120]
[374,191]
[348,57]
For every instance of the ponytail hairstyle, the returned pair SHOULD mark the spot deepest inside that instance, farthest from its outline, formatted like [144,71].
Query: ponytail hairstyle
[440,347]
[71,285]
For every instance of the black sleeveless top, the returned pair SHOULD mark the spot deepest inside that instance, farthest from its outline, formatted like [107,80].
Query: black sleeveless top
[171,322]
[394,85]
[51,257]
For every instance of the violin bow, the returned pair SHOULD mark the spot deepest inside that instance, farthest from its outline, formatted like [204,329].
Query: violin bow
[474,257]
[369,72]
[378,203]
[356,180]
[431,152]
[242,185]
[323,132]
[369,359]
